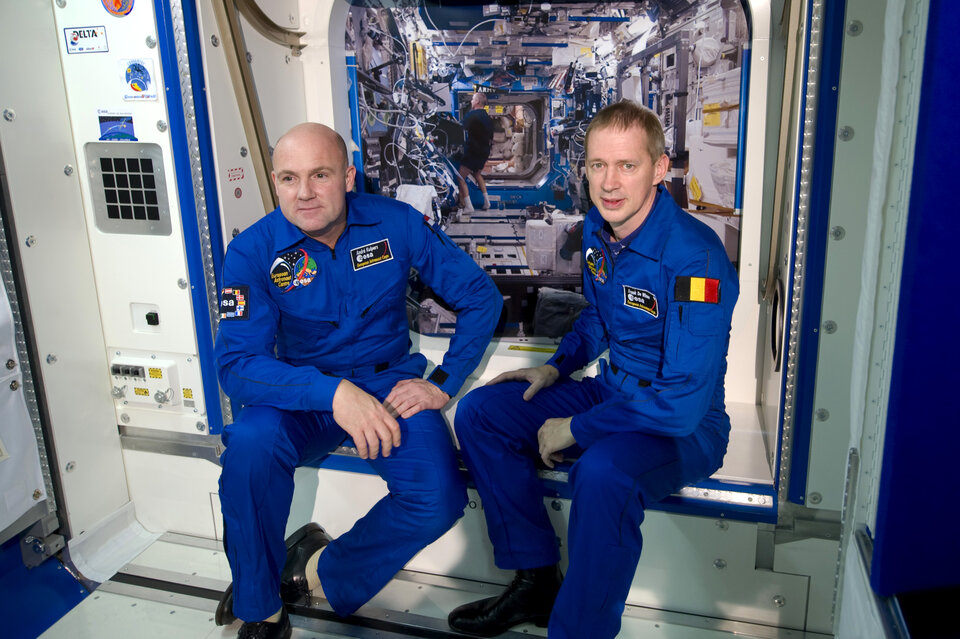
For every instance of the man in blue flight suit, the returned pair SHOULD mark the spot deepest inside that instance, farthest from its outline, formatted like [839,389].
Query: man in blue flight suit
[313,341]
[661,293]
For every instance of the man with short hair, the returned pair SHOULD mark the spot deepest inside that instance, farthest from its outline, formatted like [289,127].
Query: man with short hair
[661,293]
[478,138]
[313,341]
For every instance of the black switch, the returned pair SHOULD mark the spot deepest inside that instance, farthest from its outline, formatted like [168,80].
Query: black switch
[153,319]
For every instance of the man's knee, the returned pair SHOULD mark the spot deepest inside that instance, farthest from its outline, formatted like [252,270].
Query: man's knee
[435,505]
[251,441]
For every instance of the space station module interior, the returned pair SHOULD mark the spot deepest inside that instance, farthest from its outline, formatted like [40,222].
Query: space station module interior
[137,144]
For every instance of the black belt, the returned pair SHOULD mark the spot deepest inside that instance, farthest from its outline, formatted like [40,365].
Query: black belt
[642,383]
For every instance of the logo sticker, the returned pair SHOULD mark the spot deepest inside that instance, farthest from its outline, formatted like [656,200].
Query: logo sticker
[596,260]
[86,39]
[118,8]
[233,305]
[293,269]
[138,79]
[364,256]
[116,127]
[641,299]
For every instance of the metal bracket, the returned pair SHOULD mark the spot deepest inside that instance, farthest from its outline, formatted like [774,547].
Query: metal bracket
[40,542]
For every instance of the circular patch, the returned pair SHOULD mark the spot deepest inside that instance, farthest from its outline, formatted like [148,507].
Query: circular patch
[118,8]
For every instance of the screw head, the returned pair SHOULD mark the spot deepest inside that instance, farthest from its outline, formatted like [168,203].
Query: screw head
[37,494]
[61,3]
[722,525]
[201,426]
[161,126]
[68,170]
[472,504]
[30,241]
[9,115]
[779,601]
[51,359]
[719,564]
[838,232]
[11,364]
[854,28]
[243,151]
[124,418]
[845,133]
[182,283]
[117,392]
[151,42]
[214,40]
[14,385]
[815,498]
[71,466]
[822,414]
[249,57]
[557,505]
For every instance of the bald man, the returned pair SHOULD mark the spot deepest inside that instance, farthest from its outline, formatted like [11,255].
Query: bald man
[313,342]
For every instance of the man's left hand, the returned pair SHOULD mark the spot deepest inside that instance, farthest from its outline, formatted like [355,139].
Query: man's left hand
[410,396]
[554,436]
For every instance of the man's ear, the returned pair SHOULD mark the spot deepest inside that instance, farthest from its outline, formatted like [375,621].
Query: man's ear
[351,176]
[660,168]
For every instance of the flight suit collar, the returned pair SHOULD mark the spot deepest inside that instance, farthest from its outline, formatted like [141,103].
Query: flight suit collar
[655,229]
[288,235]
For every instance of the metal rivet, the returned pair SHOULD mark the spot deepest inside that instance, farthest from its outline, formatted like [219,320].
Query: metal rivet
[9,115]
[830,327]
[124,418]
[201,426]
[854,28]
[779,601]
[243,151]
[214,40]
[30,241]
[845,133]
[71,466]
[815,498]
[182,283]
[719,564]
[68,170]
[37,494]
[556,505]
[51,359]
[151,42]
[11,364]
[472,505]
[161,126]
[14,385]
[823,414]
[838,232]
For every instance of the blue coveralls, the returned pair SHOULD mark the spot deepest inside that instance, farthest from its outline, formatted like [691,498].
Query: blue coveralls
[296,318]
[651,422]
[479,134]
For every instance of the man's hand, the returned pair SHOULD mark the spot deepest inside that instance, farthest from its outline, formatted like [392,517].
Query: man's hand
[410,396]
[365,419]
[539,377]
[553,437]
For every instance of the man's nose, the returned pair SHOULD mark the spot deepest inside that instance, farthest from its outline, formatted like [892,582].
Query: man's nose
[610,179]
[305,190]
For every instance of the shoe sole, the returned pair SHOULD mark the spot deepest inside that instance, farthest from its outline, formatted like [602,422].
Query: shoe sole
[224,615]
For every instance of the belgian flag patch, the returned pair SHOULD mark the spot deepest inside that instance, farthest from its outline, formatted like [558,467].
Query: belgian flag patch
[697,289]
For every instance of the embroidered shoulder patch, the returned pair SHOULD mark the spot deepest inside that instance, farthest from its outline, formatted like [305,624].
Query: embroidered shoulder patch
[234,304]
[697,289]
[371,254]
[596,260]
[641,299]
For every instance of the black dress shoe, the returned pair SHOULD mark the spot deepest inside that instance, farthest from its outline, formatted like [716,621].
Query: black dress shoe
[301,545]
[224,615]
[529,598]
[266,629]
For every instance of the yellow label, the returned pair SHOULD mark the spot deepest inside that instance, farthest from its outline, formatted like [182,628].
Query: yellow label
[142,392]
[188,393]
[481,249]
[586,50]
[532,349]
[695,189]
[712,119]
[156,373]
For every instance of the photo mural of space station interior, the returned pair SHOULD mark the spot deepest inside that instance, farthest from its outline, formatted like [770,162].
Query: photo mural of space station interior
[545,69]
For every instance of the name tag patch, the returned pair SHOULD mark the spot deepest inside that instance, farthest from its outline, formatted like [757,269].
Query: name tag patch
[640,299]
[234,304]
[364,256]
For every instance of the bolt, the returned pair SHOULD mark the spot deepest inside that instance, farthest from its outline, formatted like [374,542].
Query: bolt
[779,601]
[815,498]
[30,241]
[201,426]
[845,133]
[556,505]
[37,494]
[719,564]
[161,126]
[11,364]
[124,418]
[214,40]
[71,466]
[829,327]
[855,28]
[838,232]
[51,359]
[823,414]
[151,42]
[182,283]
[14,385]
[9,115]
[243,151]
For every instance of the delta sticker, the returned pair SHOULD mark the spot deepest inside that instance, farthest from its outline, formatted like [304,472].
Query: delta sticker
[597,264]
[364,256]
[138,79]
[641,299]
[293,269]
[86,39]
[233,304]
[118,8]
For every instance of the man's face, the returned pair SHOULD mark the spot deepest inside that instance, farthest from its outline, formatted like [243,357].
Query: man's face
[623,179]
[312,179]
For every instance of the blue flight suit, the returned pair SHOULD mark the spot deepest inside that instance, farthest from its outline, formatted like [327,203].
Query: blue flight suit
[296,318]
[652,422]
